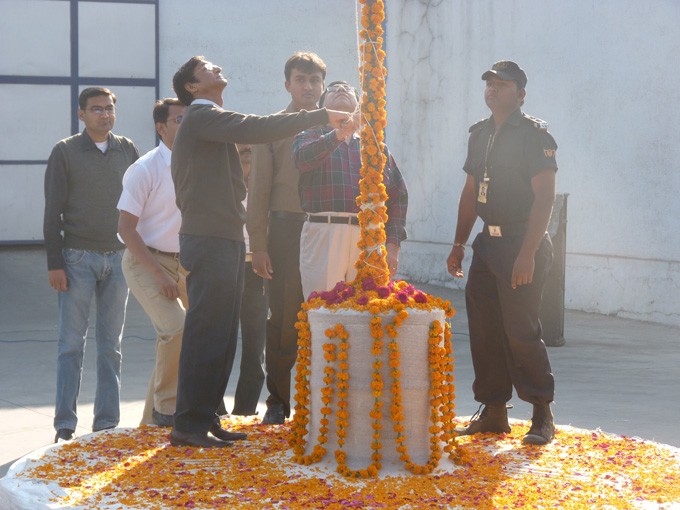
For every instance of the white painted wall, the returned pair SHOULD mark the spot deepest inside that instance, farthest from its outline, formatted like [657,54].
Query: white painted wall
[602,73]
[252,40]
[599,73]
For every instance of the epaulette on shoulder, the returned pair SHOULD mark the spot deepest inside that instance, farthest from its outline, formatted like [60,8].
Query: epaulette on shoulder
[476,125]
[536,122]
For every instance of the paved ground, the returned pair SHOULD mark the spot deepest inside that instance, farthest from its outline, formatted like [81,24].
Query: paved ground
[615,374]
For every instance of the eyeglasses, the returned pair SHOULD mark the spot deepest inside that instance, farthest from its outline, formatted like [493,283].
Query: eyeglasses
[98,110]
[176,120]
[339,86]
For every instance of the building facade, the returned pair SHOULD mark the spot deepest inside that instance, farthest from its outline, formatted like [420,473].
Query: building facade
[600,73]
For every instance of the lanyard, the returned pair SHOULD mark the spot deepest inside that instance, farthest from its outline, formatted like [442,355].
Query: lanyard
[489,147]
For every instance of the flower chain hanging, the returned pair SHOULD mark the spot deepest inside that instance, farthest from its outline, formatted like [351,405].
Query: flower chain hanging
[374,293]
[372,194]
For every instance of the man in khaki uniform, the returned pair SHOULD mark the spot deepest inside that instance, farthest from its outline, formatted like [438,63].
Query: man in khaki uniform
[274,222]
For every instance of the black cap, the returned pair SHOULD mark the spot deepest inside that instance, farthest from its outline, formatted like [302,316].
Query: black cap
[507,70]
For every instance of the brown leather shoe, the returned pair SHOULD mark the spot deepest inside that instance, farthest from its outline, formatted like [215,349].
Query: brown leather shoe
[493,418]
[542,429]
[178,438]
[226,435]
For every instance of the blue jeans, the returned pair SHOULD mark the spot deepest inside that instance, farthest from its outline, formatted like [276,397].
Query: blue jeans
[100,275]
[214,289]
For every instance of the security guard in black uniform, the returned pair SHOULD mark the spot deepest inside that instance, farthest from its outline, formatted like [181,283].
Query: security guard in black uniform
[511,186]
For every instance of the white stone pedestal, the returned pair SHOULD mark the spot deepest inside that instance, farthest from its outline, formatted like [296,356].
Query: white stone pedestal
[415,384]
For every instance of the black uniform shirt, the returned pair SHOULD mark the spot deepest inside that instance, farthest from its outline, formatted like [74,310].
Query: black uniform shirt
[521,149]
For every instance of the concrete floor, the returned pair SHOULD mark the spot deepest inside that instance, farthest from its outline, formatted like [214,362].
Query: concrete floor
[615,374]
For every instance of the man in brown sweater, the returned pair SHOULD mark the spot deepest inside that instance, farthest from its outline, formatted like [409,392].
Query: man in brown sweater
[210,190]
[274,223]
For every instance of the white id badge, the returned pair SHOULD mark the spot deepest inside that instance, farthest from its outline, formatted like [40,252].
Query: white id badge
[483,189]
[495,231]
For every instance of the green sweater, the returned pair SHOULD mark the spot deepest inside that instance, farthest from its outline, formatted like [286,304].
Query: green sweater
[206,168]
[82,188]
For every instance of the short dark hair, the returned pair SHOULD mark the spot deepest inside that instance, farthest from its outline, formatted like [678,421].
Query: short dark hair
[338,82]
[94,92]
[161,109]
[305,62]
[184,75]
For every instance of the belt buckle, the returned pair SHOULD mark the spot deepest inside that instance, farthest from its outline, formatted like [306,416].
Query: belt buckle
[495,231]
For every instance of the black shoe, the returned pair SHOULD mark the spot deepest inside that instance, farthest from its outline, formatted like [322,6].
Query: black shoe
[162,420]
[64,435]
[225,435]
[275,415]
[196,439]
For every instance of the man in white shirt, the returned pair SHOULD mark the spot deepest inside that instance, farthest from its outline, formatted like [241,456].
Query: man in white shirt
[148,225]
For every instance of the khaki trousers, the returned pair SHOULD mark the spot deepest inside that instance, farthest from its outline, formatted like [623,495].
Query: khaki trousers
[328,252]
[167,317]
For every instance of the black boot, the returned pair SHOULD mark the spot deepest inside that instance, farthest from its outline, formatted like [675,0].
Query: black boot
[542,429]
[493,418]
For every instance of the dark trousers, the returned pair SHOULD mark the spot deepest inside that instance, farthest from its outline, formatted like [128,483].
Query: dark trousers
[505,331]
[285,300]
[214,288]
[253,333]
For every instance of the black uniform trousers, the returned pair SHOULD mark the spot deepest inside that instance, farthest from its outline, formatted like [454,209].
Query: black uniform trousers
[505,331]
[285,301]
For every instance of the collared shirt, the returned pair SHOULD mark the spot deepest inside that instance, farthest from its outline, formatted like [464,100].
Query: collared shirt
[206,101]
[272,186]
[82,188]
[149,194]
[330,170]
[520,149]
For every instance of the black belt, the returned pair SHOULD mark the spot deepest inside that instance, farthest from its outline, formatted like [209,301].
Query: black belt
[507,230]
[342,220]
[285,215]
[166,253]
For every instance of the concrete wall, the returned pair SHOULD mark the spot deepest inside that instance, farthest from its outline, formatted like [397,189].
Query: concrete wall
[253,40]
[602,73]
[596,74]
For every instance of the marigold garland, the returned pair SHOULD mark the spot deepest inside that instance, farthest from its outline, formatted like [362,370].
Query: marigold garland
[437,377]
[442,389]
[374,293]
[372,261]
[302,385]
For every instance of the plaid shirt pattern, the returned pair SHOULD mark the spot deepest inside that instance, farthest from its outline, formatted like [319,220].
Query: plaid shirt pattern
[330,171]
